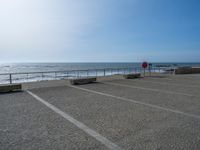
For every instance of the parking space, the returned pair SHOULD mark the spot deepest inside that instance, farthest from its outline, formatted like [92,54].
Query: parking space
[163,83]
[111,114]
[178,102]
[182,89]
[127,124]
[27,124]
[190,80]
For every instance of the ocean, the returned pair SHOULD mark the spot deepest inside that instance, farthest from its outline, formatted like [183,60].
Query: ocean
[47,67]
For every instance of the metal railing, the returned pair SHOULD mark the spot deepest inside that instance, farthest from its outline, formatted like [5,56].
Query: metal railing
[68,74]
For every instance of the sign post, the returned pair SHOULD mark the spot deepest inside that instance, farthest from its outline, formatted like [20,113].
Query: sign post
[144,66]
[150,68]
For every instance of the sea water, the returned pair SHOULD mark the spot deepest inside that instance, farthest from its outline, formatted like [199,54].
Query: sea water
[47,67]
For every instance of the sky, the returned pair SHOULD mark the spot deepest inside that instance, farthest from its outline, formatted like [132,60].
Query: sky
[99,30]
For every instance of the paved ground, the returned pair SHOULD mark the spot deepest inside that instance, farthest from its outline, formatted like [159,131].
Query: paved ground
[151,113]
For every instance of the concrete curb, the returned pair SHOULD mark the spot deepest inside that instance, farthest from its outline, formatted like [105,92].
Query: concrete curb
[10,87]
[82,81]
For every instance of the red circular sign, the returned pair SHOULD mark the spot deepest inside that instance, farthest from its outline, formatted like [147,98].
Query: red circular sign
[144,65]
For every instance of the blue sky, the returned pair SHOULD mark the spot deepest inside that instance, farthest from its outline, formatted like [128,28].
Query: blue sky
[100,30]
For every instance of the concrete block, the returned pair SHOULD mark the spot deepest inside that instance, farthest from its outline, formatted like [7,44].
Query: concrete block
[82,81]
[187,70]
[10,87]
[132,76]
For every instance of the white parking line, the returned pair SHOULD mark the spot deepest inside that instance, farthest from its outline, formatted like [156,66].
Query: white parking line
[149,89]
[138,102]
[174,79]
[175,84]
[77,123]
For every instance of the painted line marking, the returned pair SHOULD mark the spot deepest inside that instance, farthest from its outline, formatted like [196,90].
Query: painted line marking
[149,89]
[138,102]
[164,83]
[170,79]
[77,123]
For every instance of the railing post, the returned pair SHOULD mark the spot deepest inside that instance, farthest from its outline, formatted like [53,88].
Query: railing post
[27,77]
[55,75]
[10,78]
[150,71]
[67,75]
[87,73]
[77,74]
[104,72]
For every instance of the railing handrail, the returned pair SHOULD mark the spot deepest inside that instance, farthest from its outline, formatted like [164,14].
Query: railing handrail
[75,73]
[61,71]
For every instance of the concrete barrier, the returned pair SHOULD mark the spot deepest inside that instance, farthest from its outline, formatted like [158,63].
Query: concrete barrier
[82,81]
[132,76]
[10,87]
[187,70]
